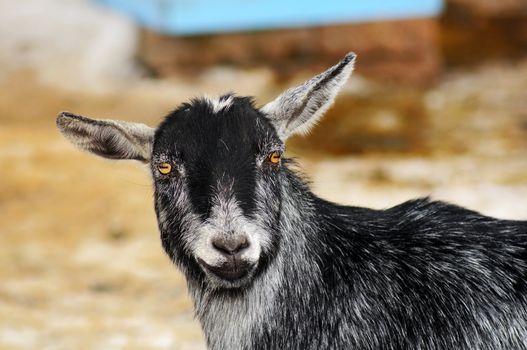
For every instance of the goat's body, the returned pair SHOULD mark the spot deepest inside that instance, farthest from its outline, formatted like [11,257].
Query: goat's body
[421,275]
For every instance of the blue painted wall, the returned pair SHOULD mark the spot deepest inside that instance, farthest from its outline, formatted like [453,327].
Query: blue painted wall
[185,17]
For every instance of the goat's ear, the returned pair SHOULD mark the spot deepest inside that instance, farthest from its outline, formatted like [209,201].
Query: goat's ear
[112,139]
[296,110]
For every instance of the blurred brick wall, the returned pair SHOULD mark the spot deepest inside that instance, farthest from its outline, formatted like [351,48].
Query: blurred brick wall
[475,31]
[490,7]
[412,52]
[398,51]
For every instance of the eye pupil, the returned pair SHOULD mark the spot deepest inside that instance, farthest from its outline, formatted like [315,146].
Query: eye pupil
[164,168]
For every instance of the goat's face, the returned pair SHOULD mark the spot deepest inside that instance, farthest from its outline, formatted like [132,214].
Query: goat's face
[216,167]
[217,173]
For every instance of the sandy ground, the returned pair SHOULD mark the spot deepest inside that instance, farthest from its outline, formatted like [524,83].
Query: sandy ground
[81,266]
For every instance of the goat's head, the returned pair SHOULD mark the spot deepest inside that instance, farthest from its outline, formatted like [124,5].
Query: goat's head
[217,170]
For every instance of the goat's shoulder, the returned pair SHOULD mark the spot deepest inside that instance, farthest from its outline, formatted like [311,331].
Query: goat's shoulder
[421,222]
[424,235]
[415,215]
[437,218]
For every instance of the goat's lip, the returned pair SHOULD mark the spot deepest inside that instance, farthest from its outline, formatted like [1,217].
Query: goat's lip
[230,271]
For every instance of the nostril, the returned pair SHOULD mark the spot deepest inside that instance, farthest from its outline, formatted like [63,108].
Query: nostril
[244,243]
[231,245]
[218,244]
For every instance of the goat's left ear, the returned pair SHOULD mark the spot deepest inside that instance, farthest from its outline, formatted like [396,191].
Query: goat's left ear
[114,139]
[299,108]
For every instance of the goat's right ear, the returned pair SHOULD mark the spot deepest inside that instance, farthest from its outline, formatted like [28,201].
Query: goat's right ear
[112,139]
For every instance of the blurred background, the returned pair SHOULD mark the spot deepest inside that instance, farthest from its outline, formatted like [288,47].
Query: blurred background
[437,106]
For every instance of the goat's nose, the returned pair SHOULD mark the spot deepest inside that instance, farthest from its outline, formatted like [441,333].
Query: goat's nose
[231,245]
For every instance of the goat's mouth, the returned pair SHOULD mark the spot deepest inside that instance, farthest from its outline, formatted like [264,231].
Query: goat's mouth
[233,270]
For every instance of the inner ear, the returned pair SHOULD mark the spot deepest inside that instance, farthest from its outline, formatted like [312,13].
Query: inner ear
[113,139]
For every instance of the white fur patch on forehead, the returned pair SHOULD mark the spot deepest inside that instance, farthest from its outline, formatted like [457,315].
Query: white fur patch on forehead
[219,104]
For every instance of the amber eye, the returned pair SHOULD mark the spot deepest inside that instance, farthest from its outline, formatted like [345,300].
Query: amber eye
[275,157]
[164,168]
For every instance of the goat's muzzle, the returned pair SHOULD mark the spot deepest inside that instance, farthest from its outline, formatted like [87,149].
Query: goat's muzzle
[231,247]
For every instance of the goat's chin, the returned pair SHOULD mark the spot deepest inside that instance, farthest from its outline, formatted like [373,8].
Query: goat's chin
[221,278]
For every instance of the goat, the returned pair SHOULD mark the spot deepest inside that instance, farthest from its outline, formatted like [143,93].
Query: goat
[269,265]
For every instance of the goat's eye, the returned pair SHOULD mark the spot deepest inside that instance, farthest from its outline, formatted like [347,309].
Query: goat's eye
[164,168]
[274,157]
